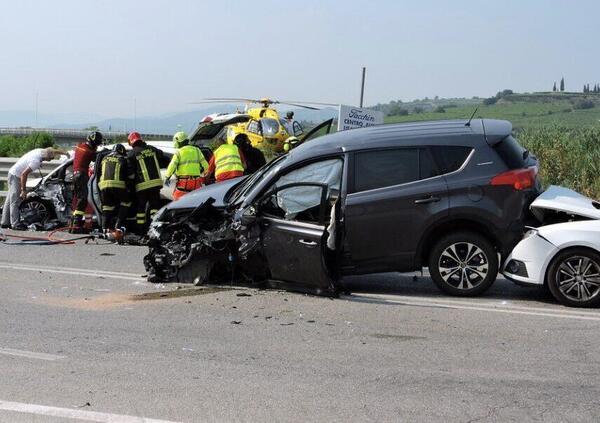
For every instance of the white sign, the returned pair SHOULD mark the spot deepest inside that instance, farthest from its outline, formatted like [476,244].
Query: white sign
[354,117]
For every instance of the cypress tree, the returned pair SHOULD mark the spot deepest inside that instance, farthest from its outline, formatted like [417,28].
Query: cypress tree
[554,87]
[562,84]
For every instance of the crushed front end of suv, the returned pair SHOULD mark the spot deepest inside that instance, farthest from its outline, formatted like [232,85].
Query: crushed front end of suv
[449,195]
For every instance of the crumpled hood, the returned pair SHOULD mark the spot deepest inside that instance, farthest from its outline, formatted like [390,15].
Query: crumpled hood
[199,196]
[565,200]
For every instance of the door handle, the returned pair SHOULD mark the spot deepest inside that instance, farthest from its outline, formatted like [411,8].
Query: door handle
[430,199]
[308,243]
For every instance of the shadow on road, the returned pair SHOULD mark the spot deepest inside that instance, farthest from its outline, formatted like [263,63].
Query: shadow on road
[422,286]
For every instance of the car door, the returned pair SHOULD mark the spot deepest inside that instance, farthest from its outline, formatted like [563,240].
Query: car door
[394,195]
[294,235]
[294,217]
[321,129]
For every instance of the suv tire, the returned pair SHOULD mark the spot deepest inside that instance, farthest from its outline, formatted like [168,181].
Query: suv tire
[463,264]
[575,265]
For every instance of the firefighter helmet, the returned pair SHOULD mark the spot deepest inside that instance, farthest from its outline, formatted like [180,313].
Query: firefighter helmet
[119,149]
[95,138]
[134,137]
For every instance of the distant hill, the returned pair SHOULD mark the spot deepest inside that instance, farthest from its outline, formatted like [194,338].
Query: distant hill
[162,124]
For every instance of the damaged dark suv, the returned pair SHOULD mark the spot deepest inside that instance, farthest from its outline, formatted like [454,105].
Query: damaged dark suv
[448,195]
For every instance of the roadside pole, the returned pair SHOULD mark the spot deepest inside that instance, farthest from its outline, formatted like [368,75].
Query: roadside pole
[362,87]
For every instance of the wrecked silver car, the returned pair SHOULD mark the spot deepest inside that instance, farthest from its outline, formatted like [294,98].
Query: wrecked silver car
[50,198]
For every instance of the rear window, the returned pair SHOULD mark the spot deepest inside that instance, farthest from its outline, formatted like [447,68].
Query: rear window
[384,168]
[450,157]
[512,153]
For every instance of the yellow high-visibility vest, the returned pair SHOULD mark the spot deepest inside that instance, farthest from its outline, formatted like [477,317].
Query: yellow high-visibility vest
[227,159]
[187,161]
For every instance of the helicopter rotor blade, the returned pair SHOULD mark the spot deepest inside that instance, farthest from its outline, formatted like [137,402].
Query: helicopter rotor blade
[224,100]
[316,103]
[298,105]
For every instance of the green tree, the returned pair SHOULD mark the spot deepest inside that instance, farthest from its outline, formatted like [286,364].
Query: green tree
[554,87]
[562,84]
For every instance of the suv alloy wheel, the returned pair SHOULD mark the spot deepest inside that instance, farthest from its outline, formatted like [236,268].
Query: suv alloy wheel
[463,264]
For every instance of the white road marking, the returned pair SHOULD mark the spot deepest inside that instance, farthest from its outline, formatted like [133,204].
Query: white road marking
[68,413]
[476,306]
[73,271]
[30,354]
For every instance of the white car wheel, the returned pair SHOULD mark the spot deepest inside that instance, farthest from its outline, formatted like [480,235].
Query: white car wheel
[574,278]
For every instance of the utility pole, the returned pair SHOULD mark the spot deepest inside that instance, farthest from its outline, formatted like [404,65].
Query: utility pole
[362,87]
[134,114]
[37,94]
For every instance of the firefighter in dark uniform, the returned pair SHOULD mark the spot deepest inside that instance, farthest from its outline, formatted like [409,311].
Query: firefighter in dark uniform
[113,176]
[85,153]
[144,163]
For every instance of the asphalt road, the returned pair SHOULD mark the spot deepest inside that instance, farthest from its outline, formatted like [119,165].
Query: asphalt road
[84,338]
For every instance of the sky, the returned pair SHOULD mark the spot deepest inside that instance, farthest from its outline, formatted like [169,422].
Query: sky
[97,56]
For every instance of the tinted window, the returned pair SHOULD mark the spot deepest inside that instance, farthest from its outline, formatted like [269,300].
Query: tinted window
[511,153]
[428,167]
[384,168]
[450,157]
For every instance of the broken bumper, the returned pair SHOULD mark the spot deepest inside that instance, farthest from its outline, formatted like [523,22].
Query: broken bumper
[529,260]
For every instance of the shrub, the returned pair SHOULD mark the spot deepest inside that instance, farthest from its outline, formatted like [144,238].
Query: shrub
[583,104]
[418,110]
[489,101]
[11,146]
[504,93]
[397,110]
[439,109]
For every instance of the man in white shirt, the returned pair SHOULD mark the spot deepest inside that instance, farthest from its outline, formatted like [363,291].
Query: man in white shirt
[17,182]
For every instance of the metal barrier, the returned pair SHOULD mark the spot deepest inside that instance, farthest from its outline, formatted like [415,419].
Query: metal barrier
[7,162]
[76,133]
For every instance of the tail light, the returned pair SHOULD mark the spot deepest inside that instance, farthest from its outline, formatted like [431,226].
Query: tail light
[519,179]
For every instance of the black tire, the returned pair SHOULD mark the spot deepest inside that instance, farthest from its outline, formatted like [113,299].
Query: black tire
[474,269]
[577,264]
[45,209]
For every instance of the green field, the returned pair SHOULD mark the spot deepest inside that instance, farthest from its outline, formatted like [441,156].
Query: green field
[523,110]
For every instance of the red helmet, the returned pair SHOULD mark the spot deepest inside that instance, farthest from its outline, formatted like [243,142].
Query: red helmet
[134,137]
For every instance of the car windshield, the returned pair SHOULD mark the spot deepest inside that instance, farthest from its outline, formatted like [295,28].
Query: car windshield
[270,127]
[238,194]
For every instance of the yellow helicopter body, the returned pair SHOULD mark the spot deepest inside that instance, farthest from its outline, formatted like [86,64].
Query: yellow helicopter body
[265,129]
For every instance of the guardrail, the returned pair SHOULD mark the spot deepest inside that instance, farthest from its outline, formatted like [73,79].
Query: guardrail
[7,162]
[76,133]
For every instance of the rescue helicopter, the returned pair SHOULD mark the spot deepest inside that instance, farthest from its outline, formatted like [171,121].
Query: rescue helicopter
[264,125]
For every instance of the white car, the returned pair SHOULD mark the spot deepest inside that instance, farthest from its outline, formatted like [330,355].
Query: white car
[563,256]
